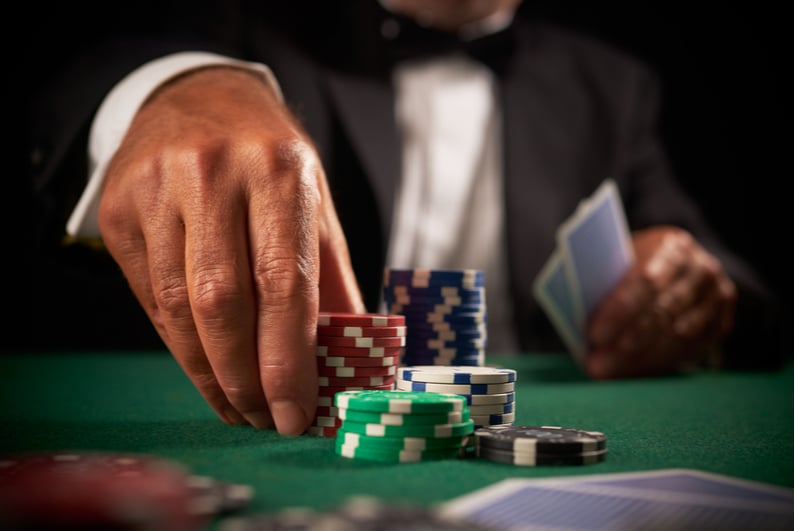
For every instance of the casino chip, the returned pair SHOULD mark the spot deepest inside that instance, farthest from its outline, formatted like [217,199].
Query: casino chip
[459,389]
[359,319]
[489,391]
[445,314]
[401,427]
[540,445]
[456,375]
[400,402]
[354,352]
[99,490]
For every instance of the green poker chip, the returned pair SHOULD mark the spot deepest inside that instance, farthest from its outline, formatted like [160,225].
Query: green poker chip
[417,444]
[396,455]
[403,419]
[421,430]
[400,402]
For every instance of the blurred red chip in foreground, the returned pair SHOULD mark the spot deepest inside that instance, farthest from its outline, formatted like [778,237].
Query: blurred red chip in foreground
[97,491]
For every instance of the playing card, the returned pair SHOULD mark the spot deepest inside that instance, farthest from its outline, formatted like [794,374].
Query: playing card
[596,250]
[657,499]
[551,289]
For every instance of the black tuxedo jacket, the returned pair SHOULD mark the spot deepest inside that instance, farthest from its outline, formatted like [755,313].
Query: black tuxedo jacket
[575,112]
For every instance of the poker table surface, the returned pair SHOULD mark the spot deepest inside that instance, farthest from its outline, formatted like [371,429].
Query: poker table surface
[734,423]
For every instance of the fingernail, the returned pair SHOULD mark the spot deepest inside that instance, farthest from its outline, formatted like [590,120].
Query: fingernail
[231,416]
[261,420]
[289,417]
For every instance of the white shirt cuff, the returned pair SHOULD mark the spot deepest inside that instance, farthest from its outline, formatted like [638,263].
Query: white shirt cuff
[117,112]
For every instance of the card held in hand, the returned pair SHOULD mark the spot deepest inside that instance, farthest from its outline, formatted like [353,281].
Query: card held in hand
[594,250]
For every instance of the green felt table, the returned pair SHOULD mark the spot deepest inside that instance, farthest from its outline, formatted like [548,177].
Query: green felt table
[739,424]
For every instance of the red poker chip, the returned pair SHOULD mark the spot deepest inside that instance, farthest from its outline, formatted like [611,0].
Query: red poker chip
[325,401]
[327,422]
[359,319]
[361,342]
[321,431]
[361,331]
[357,372]
[94,490]
[327,411]
[325,351]
[365,381]
[353,361]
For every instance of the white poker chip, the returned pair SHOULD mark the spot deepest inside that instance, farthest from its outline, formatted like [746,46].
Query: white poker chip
[458,374]
[458,389]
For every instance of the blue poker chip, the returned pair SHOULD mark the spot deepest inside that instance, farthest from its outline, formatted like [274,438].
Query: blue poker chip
[456,375]
[456,389]
[456,318]
[444,352]
[447,326]
[440,359]
[410,300]
[436,291]
[409,310]
[508,398]
[448,335]
[492,409]
[493,420]
[443,344]
[420,278]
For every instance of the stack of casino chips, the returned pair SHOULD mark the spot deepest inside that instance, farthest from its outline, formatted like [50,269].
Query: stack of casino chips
[540,445]
[489,391]
[400,426]
[354,352]
[445,311]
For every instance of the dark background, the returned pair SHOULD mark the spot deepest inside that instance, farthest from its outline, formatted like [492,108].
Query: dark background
[726,74]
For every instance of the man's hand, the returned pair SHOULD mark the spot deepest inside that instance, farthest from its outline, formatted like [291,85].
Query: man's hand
[670,309]
[218,212]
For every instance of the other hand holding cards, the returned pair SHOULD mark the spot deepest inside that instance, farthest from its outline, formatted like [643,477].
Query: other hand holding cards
[594,250]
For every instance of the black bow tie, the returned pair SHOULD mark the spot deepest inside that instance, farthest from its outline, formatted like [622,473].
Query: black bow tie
[406,40]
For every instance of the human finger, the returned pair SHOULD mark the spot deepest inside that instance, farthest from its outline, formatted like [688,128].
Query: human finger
[220,292]
[283,234]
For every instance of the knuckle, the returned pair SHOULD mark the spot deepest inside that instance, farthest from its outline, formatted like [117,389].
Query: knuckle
[213,289]
[647,279]
[171,295]
[681,238]
[283,279]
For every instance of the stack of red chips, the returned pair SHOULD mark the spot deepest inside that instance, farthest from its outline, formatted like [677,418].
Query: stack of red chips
[354,352]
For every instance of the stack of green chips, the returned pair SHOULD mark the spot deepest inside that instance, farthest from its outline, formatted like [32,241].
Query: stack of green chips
[402,426]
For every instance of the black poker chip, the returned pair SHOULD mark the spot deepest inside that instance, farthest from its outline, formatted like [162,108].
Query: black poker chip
[531,459]
[540,439]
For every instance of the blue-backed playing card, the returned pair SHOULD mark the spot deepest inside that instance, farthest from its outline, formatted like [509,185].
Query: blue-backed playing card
[655,499]
[594,252]
[551,289]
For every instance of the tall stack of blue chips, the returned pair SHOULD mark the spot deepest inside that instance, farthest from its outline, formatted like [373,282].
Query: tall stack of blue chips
[445,311]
